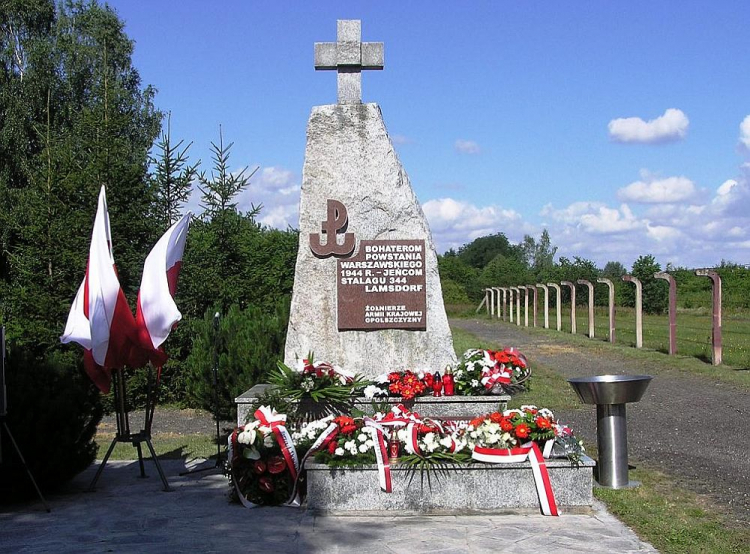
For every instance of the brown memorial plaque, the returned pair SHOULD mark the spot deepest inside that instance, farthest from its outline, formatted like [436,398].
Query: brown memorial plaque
[383,286]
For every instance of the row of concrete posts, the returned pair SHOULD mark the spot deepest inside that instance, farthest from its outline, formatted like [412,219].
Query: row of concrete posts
[512,295]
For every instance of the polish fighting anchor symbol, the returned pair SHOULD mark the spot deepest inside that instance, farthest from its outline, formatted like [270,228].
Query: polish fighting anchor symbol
[336,222]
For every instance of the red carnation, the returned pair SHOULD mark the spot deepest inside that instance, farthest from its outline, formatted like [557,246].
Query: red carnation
[332,446]
[276,464]
[265,484]
[259,466]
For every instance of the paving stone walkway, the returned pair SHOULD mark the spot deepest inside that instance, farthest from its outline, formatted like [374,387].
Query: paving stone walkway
[130,514]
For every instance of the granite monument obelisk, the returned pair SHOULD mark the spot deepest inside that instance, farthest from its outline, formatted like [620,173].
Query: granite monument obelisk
[367,293]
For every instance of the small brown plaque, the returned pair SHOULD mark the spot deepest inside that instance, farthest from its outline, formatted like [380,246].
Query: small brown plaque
[383,286]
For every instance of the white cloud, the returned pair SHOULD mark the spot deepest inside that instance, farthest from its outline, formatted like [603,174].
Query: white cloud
[454,223]
[745,132]
[276,189]
[400,139]
[466,146]
[671,126]
[658,191]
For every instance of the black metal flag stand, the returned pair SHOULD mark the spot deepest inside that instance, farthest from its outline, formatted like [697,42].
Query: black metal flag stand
[123,428]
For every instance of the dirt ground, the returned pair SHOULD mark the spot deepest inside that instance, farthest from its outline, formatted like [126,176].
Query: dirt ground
[692,429]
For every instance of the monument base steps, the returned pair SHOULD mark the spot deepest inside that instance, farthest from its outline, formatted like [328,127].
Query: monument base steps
[478,488]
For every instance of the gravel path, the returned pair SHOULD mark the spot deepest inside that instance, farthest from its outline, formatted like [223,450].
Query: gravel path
[695,431]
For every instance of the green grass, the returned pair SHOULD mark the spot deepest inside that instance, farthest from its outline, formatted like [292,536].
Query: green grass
[693,331]
[547,388]
[167,446]
[673,519]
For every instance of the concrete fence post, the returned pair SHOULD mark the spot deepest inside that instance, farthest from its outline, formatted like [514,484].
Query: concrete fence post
[716,310]
[505,293]
[534,299]
[557,305]
[591,305]
[572,305]
[672,310]
[518,306]
[611,287]
[525,305]
[546,303]
[638,309]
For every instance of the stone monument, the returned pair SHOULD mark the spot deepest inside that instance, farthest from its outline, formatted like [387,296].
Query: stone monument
[367,293]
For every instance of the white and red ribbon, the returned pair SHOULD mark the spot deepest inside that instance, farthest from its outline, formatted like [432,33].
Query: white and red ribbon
[531,452]
[270,418]
[381,454]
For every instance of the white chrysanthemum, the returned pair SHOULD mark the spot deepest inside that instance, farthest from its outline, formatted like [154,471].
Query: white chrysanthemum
[362,437]
[446,442]
[459,373]
[363,448]
[544,412]
[382,379]
[269,441]
[371,391]
[402,435]
[474,383]
[339,451]
[350,444]
[370,444]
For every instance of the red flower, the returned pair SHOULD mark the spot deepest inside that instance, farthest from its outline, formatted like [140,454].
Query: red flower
[265,484]
[496,417]
[543,423]
[276,464]
[477,421]
[394,376]
[332,446]
[506,425]
[522,431]
[346,424]
[259,466]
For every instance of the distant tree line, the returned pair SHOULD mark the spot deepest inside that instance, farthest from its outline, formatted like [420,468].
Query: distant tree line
[493,261]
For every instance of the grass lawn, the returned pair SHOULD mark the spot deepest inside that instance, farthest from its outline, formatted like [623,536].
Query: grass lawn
[168,446]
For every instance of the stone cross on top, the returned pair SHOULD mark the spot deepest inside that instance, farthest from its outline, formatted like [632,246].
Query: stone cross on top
[349,56]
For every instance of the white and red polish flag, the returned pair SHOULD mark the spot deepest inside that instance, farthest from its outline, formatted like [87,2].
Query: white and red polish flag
[157,313]
[100,319]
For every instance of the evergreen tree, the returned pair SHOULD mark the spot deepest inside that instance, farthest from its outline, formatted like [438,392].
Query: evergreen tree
[76,118]
[172,178]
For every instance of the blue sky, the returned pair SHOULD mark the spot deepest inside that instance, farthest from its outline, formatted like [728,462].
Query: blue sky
[618,126]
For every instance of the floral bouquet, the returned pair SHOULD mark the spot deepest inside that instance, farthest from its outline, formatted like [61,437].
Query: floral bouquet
[427,441]
[406,384]
[319,381]
[350,444]
[263,461]
[491,372]
[516,428]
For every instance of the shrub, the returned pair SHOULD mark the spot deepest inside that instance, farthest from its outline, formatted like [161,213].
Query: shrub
[250,341]
[53,412]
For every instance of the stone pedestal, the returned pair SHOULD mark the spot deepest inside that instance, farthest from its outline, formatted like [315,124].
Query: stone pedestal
[442,407]
[476,488]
